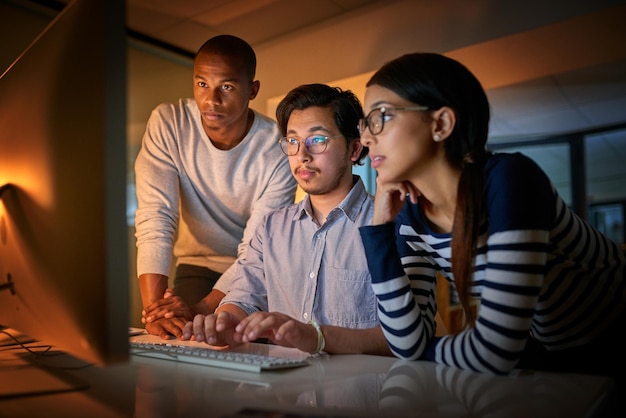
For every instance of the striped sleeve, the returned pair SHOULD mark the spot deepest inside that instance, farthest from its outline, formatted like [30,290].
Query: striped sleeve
[406,304]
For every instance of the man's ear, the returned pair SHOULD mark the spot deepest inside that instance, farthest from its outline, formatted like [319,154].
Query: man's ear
[444,120]
[254,89]
[355,149]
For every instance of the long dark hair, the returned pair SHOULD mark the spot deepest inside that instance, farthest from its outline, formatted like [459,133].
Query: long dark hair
[434,80]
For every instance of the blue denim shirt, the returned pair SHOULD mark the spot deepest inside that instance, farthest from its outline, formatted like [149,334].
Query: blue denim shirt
[308,272]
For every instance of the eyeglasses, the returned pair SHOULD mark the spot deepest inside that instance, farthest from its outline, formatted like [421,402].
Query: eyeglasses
[375,120]
[315,144]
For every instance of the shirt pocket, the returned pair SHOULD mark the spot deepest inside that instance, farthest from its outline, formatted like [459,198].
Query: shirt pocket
[350,300]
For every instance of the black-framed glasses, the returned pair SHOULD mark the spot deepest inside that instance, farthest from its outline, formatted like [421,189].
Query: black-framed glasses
[375,120]
[315,144]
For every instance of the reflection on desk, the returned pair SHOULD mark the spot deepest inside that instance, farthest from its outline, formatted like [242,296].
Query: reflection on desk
[433,390]
[327,385]
[337,386]
[365,386]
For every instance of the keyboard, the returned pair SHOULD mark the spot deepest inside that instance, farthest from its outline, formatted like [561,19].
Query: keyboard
[200,353]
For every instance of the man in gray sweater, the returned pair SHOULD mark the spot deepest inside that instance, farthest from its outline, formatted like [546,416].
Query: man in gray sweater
[208,170]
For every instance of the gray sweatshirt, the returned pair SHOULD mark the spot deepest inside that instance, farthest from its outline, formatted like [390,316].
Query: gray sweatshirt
[199,203]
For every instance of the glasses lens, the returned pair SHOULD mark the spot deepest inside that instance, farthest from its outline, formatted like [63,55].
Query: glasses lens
[293,144]
[362,126]
[289,146]
[375,121]
[316,144]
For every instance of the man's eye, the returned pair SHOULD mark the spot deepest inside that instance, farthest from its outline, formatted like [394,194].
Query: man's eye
[292,141]
[227,87]
[318,139]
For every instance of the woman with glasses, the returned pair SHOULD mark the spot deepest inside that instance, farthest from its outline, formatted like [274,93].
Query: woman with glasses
[550,288]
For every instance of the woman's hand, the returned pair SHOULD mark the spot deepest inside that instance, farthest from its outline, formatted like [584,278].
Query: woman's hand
[390,198]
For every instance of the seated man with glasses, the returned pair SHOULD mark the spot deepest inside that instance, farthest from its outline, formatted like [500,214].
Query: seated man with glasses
[304,281]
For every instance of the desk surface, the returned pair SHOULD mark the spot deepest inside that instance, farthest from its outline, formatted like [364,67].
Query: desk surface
[337,386]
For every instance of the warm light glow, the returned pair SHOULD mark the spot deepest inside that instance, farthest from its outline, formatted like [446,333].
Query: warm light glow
[27,165]
[34,185]
[232,10]
[356,84]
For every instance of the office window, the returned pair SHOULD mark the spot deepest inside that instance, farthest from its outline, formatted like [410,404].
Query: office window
[606,182]
[597,189]
[605,166]
[367,173]
[609,219]
[554,160]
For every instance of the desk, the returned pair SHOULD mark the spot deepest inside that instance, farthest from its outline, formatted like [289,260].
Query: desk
[337,386]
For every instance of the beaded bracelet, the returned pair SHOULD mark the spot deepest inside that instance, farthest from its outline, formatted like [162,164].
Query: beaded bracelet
[321,342]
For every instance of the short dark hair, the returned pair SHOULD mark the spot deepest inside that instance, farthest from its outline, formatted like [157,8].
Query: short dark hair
[233,47]
[344,104]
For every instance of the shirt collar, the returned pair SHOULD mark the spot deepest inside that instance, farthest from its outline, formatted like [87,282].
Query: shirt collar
[350,205]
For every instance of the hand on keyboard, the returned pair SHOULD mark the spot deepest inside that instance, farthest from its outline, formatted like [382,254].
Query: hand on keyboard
[230,326]
[280,329]
[214,329]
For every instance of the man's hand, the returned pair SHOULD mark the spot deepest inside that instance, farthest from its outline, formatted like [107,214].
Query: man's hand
[214,329]
[168,307]
[280,329]
[167,316]
[167,328]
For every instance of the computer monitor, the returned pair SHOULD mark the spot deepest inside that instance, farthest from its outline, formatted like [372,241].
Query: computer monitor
[63,237]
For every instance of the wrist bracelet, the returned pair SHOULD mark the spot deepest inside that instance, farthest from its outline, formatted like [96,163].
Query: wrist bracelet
[321,342]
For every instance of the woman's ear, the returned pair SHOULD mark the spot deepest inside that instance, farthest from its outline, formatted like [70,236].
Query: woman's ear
[444,120]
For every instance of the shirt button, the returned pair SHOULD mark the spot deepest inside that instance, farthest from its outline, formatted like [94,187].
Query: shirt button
[311,275]
[306,315]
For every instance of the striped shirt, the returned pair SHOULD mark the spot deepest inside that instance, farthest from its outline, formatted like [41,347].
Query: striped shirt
[540,271]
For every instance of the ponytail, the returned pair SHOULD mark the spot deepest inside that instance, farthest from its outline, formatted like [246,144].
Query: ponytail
[468,219]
